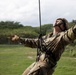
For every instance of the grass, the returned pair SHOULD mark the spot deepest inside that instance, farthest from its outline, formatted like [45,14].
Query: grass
[66,66]
[14,59]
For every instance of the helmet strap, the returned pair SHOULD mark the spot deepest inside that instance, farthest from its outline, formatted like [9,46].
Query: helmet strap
[60,27]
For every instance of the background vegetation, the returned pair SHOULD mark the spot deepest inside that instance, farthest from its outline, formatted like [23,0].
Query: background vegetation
[10,28]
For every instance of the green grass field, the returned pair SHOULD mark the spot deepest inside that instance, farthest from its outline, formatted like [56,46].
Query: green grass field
[14,59]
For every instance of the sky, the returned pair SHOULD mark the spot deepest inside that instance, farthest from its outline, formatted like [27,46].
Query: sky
[27,12]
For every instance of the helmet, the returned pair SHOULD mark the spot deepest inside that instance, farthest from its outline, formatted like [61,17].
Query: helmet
[65,23]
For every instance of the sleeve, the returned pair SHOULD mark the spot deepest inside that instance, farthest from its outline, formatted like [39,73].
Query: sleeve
[33,43]
[70,35]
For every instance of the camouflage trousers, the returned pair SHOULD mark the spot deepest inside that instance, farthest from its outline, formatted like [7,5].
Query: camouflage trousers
[39,68]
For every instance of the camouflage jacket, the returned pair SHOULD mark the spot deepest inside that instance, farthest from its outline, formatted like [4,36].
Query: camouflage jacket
[56,43]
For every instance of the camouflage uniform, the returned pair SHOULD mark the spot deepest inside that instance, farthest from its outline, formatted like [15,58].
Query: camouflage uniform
[56,43]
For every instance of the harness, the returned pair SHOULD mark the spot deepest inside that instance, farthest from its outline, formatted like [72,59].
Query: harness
[47,49]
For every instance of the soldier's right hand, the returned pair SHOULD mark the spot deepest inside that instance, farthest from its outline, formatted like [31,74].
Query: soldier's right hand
[15,38]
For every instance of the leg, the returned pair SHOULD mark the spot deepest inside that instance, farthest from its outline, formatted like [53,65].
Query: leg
[39,68]
[51,71]
[28,69]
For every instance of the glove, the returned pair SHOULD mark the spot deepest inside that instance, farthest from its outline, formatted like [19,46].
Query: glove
[15,38]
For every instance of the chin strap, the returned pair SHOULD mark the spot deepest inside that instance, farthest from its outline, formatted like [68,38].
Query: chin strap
[60,27]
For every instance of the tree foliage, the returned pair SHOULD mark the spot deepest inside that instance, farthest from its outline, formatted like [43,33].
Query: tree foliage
[9,28]
[10,24]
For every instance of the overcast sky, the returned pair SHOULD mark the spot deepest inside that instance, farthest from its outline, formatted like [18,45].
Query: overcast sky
[26,11]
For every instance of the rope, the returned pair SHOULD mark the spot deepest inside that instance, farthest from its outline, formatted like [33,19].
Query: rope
[40,35]
[40,16]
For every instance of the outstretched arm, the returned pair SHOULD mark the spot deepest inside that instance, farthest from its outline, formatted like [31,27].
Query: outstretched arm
[26,41]
[29,42]
[70,35]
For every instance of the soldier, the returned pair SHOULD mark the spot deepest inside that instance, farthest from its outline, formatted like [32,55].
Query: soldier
[53,46]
